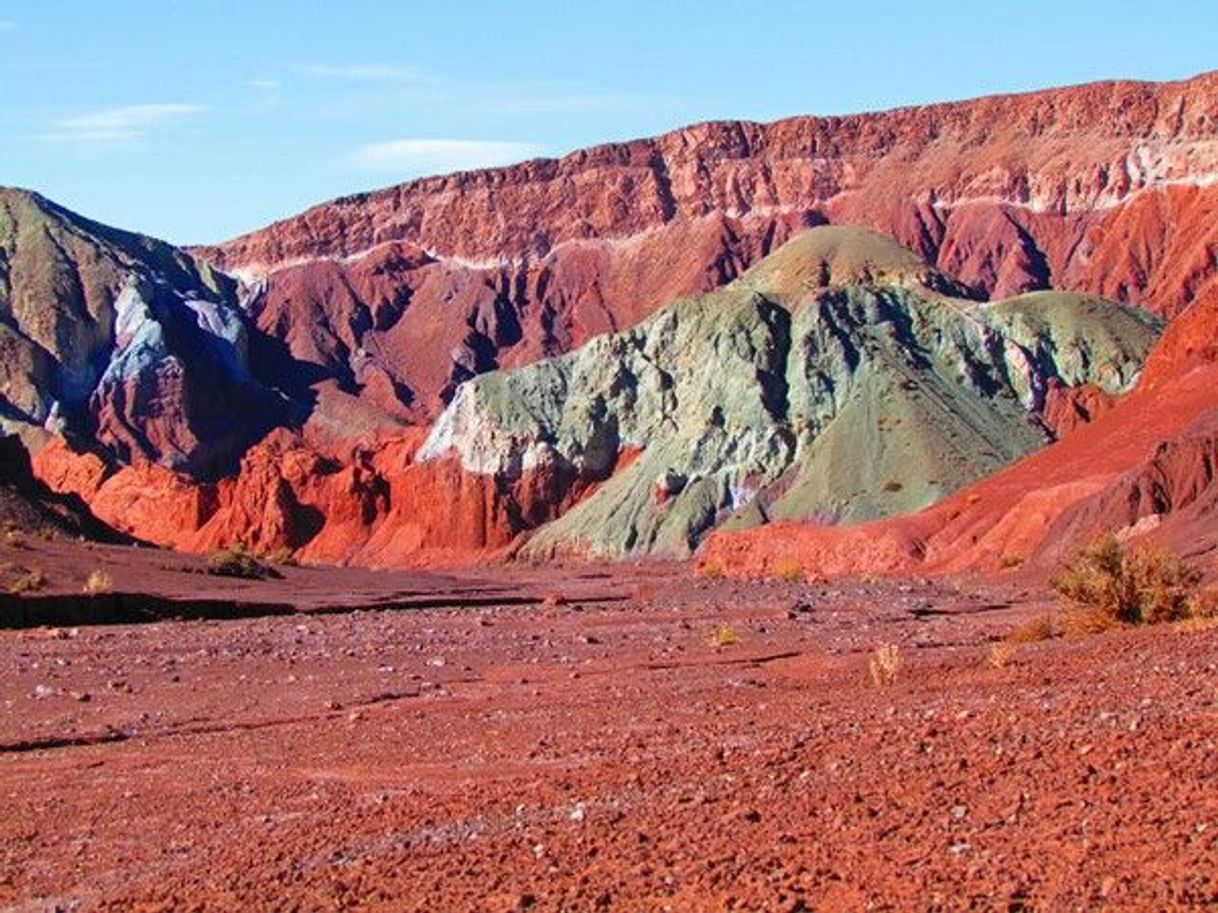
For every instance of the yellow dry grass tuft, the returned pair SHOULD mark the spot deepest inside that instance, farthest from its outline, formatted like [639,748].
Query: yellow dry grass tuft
[1000,653]
[724,636]
[30,582]
[99,582]
[885,665]
[788,570]
[1042,627]
[237,561]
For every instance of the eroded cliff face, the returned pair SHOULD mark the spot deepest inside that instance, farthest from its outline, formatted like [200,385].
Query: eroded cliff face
[125,342]
[839,380]
[1107,189]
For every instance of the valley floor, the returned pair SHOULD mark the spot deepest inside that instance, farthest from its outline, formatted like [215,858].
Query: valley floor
[599,751]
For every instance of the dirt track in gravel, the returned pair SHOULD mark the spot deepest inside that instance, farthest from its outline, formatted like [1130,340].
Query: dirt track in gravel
[604,755]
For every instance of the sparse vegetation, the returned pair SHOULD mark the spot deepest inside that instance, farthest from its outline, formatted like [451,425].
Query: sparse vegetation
[788,570]
[1042,627]
[30,582]
[99,582]
[1000,653]
[1110,583]
[13,537]
[1010,562]
[284,557]
[647,592]
[711,570]
[724,636]
[885,664]
[48,534]
[238,561]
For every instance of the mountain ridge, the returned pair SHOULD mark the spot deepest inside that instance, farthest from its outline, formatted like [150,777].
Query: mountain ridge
[1105,188]
[235,250]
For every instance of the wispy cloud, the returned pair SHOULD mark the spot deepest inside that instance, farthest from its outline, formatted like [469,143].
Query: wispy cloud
[412,157]
[129,122]
[363,72]
[7,25]
[266,85]
[541,99]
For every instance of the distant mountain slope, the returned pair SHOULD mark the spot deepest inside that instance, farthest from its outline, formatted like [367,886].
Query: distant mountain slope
[283,402]
[840,378]
[1108,189]
[123,341]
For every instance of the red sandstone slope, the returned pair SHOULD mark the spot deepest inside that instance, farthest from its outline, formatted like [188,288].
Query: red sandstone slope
[1105,188]
[1147,465]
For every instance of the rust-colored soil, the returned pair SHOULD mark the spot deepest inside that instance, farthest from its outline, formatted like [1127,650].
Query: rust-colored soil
[581,755]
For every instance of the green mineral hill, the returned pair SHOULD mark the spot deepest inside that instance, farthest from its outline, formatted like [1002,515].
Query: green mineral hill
[839,380]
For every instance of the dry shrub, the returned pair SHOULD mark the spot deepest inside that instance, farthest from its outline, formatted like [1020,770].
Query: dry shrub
[1109,583]
[788,570]
[711,570]
[30,582]
[1010,562]
[1000,653]
[885,664]
[724,636]
[238,561]
[1039,628]
[282,556]
[1205,605]
[647,592]
[14,538]
[99,582]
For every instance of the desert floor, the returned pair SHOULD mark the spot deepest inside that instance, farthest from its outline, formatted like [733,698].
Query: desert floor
[576,740]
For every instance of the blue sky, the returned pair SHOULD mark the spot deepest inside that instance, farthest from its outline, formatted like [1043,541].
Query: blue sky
[196,121]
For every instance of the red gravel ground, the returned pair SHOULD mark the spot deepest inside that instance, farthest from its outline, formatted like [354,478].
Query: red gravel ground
[604,755]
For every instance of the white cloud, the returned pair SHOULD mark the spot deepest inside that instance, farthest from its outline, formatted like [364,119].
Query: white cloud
[439,156]
[7,25]
[267,85]
[363,72]
[126,123]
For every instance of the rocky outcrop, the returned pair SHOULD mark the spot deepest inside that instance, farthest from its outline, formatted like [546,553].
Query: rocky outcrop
[28,505]
[1174,492]
[840,379]
[123,341]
